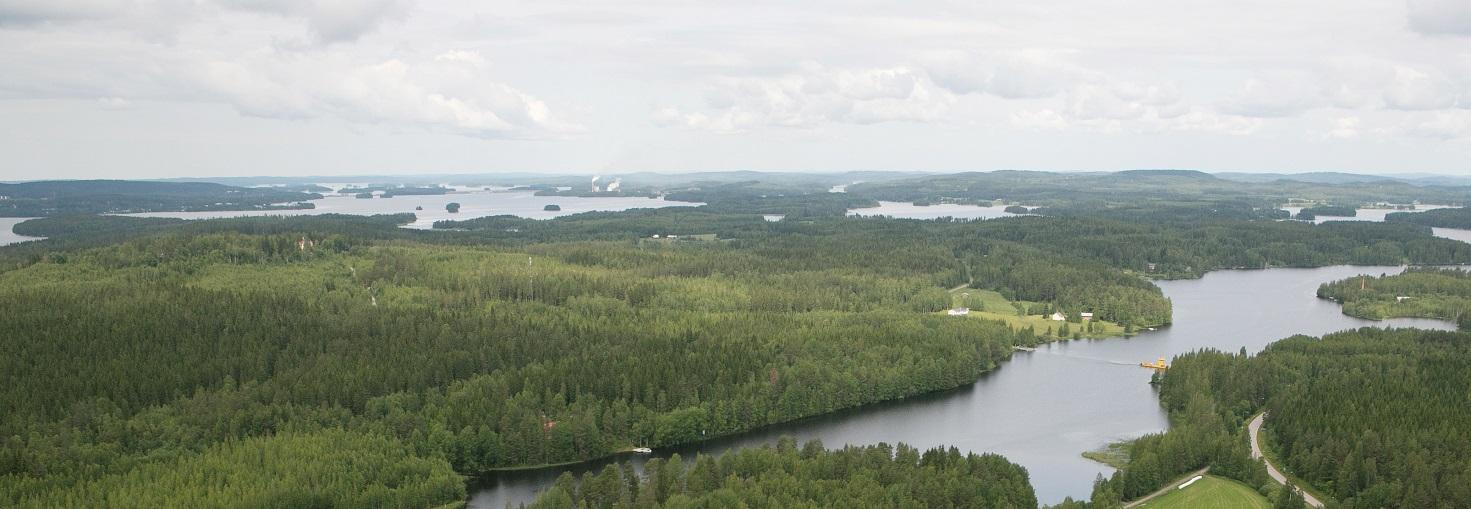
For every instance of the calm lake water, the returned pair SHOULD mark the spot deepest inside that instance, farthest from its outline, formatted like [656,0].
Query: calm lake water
[1042,409]
[7,231]
[473,204]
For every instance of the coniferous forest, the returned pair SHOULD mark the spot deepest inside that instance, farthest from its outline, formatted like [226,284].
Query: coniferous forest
[785,476]
[141,349]
[1370,417]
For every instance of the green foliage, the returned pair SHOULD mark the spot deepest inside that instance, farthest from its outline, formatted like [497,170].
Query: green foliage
[483,357]
[1441,218]
[327,468]
[786,476]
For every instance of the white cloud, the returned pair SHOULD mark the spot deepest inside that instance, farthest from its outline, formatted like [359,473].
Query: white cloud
[1439,125]
[1345,128]
[1013,75]
[453,92]
[813,97]
[1279,95]
[1413,89]
[1440,17]
[330,20]
[113,103]
[30,12]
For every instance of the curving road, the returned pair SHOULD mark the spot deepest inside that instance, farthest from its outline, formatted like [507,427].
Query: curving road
[1255,428]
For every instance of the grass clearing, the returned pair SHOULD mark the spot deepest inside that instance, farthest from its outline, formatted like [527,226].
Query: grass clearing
[990,305]
[1211,492]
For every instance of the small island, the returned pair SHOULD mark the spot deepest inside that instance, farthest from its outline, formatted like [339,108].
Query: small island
[1439,293]
[452,207]
[552,208]
[1311,213]
[365,196]
[1016,209]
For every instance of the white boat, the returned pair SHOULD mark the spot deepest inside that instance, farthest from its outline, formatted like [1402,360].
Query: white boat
[643,450]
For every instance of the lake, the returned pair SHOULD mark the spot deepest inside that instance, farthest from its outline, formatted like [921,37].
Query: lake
[473,204]
[7,231]
[1043,409]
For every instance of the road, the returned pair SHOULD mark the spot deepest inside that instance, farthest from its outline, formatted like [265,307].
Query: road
[1172,486]
[1255,428]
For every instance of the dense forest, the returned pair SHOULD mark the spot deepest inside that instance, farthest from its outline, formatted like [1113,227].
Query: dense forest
[172,345]
[140,345]
[60,197]
[1371,417]
[1440,218]
[1426,292]
[785,476]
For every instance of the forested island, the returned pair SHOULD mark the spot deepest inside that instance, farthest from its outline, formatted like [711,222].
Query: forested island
[1426,292]
[61,197]
[1311,213]
[391,190]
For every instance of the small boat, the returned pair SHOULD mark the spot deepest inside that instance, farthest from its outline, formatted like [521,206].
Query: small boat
[643,450]
[1160,364]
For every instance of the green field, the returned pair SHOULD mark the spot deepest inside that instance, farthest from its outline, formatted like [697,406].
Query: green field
[990,305]
[1211,492]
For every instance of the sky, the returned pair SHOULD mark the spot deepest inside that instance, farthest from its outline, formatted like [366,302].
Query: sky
[191,88]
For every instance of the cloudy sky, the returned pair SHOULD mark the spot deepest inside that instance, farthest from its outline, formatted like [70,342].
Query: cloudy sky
[152,88]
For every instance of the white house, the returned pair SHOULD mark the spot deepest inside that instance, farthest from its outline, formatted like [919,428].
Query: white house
[1058,317]
[1086,316]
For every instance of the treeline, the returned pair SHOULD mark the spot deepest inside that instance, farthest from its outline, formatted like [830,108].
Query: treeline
[757,197]
[1425,292]
[785,476]
[169,345]
[1439,218]
[330,468]
[1311,213]
[1130,192]
[1372,417]
[59,197]
[391,190]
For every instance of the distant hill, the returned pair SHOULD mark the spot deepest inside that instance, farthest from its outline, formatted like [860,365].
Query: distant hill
[1334,177]
[1317,177]
[1159,194]
[60,197]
